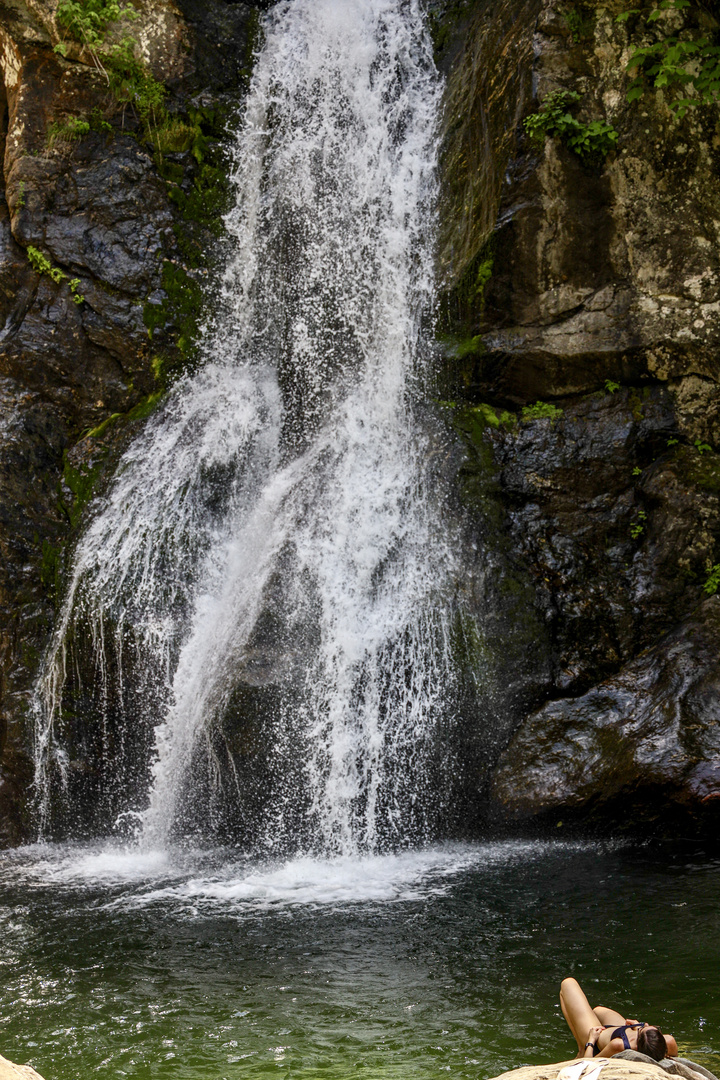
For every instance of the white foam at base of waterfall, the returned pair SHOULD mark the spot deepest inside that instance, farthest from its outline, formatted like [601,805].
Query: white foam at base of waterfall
[197,882]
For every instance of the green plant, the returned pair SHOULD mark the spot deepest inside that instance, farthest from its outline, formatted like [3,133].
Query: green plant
[469,346]
[612,387]
[701,447]
[672,442]
[74,284]
[181,310]
[72,129]
[483,274]
[42,265]
[175,135]
[636,471]
[541,410]
[21,194]
[133,85]
[89,21]
[75,127]
[579,23]
[674,63]
[590,141]
[712,583]
[638,528]
[202,204]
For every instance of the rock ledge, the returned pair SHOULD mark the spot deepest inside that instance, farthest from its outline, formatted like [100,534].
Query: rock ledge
[8,1071]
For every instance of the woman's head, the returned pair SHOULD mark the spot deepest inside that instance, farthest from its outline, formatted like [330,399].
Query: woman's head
[651,1041]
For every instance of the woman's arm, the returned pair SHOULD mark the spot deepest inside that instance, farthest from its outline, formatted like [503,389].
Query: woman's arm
[592,1037]
[615,1046]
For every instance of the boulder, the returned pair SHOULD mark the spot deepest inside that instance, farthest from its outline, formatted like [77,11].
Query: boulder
[613,1070]
[649,735]
[8,1071]
[626,1066]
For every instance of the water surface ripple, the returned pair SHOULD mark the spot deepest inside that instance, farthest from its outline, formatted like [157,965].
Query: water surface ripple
[200,964]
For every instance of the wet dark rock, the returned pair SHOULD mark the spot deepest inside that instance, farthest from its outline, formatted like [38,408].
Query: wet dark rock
[651,730]
[562,278]
[593,534]
[223,35]
[613,519]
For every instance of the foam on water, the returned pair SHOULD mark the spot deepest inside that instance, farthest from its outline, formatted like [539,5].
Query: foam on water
[212,881]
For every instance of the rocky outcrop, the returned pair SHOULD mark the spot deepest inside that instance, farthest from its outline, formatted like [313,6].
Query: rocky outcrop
[8,1071]
[582,334]
[645,742]
[588,537]
[600,270]
[626,1066]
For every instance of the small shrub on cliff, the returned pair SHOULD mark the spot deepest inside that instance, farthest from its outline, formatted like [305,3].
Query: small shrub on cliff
[712,583]
[70,131]
[541,410]
[591,141]
[638,528]
[580,24]
[88,21]
[675,63]
[42,265]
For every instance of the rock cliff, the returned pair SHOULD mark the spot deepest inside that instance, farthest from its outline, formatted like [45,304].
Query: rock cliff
[582,317]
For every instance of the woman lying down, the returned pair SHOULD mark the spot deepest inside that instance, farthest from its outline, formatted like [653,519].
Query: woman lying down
[602,1032]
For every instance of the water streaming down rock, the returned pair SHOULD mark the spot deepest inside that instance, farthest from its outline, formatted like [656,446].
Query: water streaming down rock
[264,589]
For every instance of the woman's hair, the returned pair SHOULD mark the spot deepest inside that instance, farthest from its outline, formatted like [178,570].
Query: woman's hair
[651,1041]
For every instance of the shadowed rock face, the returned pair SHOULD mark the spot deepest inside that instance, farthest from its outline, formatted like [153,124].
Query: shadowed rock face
[653,728]
[588,538]
[99,210]
[600,271]
[561,276]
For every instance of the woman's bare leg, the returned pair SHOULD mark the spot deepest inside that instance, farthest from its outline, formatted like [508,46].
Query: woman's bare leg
[576,1010]
[608,1017]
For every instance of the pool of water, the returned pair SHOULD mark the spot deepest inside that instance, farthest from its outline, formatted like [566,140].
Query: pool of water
[201,964]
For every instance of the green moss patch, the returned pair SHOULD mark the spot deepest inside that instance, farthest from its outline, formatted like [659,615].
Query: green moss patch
[702,469]
[81,480]
[201,196]
[542,410]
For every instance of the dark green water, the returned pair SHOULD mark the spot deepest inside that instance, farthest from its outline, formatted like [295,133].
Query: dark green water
[419,965]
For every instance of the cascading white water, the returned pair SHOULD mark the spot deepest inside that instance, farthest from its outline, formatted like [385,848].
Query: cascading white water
[292,465]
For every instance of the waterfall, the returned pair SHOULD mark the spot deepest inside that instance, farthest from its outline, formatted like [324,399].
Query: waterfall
[263,598]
